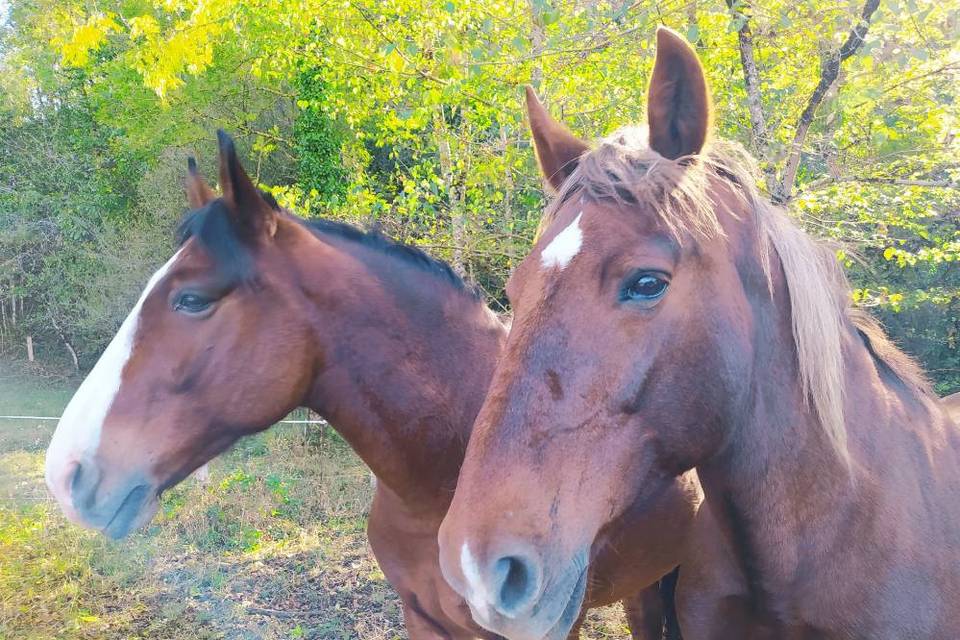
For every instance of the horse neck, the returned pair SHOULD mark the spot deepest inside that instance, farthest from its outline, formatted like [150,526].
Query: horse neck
[407,358]
[780,486]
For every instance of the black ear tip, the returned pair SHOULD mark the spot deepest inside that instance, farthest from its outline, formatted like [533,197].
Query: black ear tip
[270,200]
[192,165]
[225,142]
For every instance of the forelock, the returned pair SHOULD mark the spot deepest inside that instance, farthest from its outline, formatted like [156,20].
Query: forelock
[212,227]
[681,196]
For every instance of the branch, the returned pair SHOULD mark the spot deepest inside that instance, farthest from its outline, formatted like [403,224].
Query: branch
[829,70]
[417,71]
[277,613]
[66,343]
[822,183]
[950,66]
[751,77]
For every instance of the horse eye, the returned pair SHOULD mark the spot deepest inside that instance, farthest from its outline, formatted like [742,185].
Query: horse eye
[643,287]
[192,303]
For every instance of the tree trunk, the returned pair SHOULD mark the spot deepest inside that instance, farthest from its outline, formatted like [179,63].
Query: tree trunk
[30,348]
[508,186]
[829,72]
[453,202]
[66,343]
[537,40]
[73,356]
[740,11]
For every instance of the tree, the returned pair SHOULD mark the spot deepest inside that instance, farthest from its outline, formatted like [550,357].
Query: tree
[408,113]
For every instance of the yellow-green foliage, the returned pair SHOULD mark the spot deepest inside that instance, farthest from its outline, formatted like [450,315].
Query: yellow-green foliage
[409,113]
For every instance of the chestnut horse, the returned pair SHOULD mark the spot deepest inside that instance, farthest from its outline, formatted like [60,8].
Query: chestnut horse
[670,318]
[386,343]
[951,404]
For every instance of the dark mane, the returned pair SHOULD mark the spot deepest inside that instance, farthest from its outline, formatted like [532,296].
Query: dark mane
[212,225]
[376,240]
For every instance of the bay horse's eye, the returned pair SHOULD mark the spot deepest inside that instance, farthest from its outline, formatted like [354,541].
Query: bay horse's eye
[192,303]
[643,287]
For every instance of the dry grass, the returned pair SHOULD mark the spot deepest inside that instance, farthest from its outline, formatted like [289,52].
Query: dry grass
[272,547]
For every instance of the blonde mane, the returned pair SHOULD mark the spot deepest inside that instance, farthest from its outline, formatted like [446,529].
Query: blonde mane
[623,168]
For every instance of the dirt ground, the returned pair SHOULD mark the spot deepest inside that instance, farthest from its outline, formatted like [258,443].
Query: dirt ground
[272,547]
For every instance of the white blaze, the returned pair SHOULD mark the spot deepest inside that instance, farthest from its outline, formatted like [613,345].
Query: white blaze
[78,432]
[564,246]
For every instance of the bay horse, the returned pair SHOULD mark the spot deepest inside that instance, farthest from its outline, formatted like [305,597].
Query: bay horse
[259,312]
[669,317]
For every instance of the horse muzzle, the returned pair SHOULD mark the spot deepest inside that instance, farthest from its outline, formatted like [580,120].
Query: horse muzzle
[114,506]
[514,595]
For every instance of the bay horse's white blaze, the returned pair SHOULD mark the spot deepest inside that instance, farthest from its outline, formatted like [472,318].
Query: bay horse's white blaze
[78,432]
[564,247]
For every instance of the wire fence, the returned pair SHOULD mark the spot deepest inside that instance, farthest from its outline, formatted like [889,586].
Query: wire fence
[17,487]
[58,418]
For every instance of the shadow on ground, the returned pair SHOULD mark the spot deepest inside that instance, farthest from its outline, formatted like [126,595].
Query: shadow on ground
[272,547]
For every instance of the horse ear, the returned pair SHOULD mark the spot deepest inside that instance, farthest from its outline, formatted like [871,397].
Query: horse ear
[558,150]
[252,213]
[199,192]
[678,104]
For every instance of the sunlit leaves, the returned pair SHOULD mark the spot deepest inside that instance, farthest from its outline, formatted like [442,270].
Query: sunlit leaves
[179,39]
[85,37]
[405,80]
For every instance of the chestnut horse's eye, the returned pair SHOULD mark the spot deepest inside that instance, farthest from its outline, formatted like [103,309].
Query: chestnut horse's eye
[643,287]
[192,303]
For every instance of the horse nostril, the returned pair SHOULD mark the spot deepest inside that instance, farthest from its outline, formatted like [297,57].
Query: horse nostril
[83,486]
[518,578]
[76,478]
